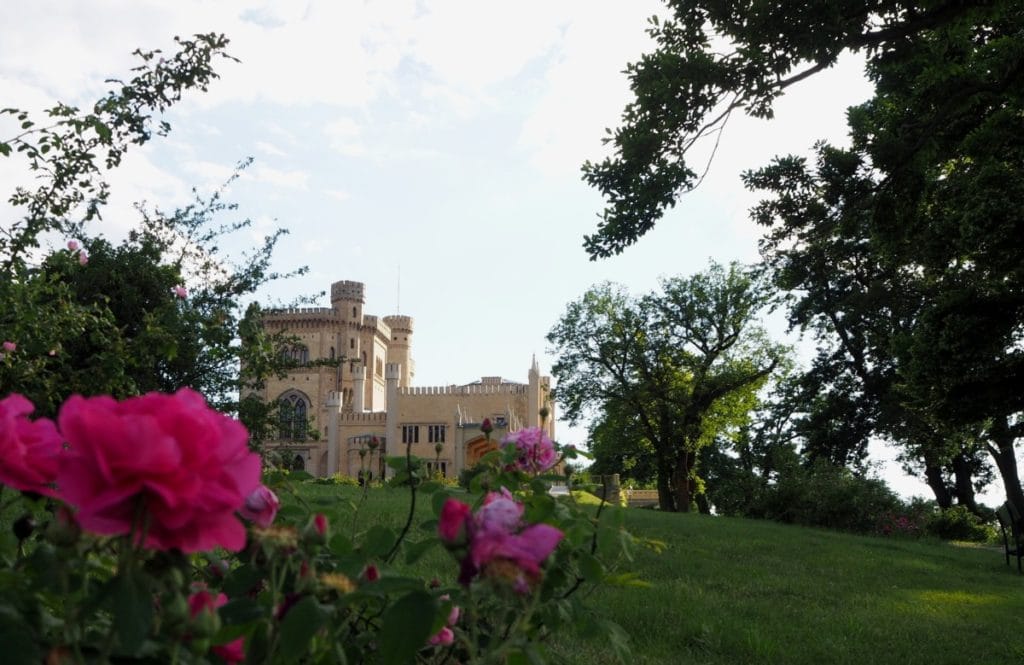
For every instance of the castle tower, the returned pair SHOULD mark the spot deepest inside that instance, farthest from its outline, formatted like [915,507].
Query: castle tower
[400,347]
[347,300]
[392,374]
[533,395]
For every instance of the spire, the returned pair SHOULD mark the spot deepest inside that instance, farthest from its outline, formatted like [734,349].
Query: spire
[534,367]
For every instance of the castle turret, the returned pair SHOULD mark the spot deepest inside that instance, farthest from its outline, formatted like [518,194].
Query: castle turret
[400,347]
[392,372]
[347,300]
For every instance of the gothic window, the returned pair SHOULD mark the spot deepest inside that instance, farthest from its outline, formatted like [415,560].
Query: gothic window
[332,353]
[298,464]
[354,312]
[352,343]
[297,354]
[435,433]
[410,433]
[292,413]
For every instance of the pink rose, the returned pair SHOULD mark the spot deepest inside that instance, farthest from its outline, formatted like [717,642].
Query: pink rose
[371,573]
[83,258]
[260,506]
[320,524]
[536,452]
[232,652]
[187,466]
[9,346]
[201,600]
[72,245]
[527,549]
[444,637]
[498,546]
[180,291]
[500,512]
[451,527]
[29,450]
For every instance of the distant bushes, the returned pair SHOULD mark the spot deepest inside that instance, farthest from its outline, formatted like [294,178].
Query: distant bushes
[832,497]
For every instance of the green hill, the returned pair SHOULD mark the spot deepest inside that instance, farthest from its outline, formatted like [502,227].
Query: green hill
[745,591]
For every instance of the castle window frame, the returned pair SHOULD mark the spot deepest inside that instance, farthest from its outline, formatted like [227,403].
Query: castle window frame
[293,416]
[436,433]
[410,433]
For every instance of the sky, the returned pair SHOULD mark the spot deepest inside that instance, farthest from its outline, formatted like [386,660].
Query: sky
[429,149]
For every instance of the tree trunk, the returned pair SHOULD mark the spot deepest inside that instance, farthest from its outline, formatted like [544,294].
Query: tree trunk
[702,503]
[964,487]
[683,482]
[1001,449]
[666,500]
[937,481]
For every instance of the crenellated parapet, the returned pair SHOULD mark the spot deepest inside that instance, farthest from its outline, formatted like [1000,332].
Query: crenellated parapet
[471,389]
[399,323]
[377,418]
[306,315]
[348,291]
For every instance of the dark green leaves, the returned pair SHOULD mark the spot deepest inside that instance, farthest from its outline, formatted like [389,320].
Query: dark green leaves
[407,626]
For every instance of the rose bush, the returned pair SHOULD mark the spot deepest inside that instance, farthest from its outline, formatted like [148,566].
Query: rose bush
[138,553]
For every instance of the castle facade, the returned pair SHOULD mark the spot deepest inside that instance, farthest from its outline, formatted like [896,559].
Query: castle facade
[346,416]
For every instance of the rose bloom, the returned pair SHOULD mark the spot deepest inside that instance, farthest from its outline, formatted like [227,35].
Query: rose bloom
[260,506]
[536,452]
[201,600]
[497,543]
[29,449]
[179,291]
[169,459]
[9,346]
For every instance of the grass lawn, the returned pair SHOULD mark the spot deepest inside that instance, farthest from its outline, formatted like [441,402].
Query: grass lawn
[746,591]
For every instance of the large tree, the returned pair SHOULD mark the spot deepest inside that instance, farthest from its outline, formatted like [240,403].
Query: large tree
[937,155]
[685,362]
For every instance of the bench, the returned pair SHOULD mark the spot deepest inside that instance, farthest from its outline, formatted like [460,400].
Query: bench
[1013,539]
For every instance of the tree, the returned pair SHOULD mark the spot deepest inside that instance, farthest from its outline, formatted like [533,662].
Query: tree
[937,156]
[687,362]
[159,311]
[716,58]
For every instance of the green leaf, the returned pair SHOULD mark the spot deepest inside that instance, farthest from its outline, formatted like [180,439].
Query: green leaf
[241,610]
[415,551]
[340,545]
[406,628]
[132,608]
[5,149]
[19,645]
[590,568]
[298,628]
[241,580]
[437,501]
[379,541]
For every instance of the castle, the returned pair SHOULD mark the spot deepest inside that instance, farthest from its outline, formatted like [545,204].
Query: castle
[364,406]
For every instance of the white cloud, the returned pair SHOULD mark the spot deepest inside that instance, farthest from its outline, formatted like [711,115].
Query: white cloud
[344,136]
[270,149]
[338,194]
[294,179]
[584,89]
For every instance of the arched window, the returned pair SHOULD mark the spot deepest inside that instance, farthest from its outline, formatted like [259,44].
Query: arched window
[332,353]
[298,464]
[354,312]
[293,418]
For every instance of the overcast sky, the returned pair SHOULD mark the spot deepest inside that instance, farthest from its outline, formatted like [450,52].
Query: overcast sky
[438,140]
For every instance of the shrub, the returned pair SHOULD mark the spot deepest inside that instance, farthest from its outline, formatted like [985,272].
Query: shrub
[832,497]
[959,523]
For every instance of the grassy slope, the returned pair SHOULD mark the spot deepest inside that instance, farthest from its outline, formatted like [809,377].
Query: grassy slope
[744,591]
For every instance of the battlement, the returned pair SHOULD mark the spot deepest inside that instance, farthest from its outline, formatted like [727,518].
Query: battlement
[378,325]
[399,323]
[471,389]
[349,291]
[366,418]
[299,314]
